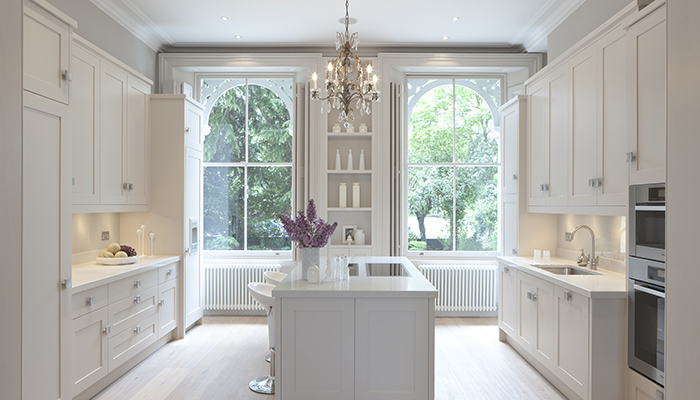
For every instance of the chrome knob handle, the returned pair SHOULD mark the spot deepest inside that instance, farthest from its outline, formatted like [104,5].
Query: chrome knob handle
[137,284]
[137,299]
[169,272]
[515,177]
[137,330]
[567,295]
[161,302]
[90,301]
[107,330]
[506,269]
[631,157]
[67,75]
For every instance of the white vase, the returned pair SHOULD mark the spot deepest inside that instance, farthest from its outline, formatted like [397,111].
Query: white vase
[343,195]
[356,195]
[360,237]
[361,167]
[337,160]
[350,162]
[309,256]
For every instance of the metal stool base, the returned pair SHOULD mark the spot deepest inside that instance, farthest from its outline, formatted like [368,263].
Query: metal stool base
[264,385]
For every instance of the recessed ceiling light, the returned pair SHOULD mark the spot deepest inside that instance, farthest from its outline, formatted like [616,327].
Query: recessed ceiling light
[238,36]
[224,18]
[455,18]
[445,37]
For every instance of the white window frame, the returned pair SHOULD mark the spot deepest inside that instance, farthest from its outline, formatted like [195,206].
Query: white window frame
[254,255]
[451,254]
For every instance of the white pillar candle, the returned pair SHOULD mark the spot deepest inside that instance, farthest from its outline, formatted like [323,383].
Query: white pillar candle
[343,196]
[350,160]
[356,195]
[337,160]
[361,167]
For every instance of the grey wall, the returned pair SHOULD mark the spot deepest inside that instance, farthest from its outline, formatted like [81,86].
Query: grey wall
[102,31]
[585,19]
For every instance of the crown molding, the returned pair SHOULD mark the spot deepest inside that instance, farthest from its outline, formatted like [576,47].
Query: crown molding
[551,15]
[126,14]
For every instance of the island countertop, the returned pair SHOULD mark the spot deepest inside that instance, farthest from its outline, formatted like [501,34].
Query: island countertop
[413,286]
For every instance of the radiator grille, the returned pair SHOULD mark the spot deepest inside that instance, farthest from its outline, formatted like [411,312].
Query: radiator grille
[463,289]
[226,285]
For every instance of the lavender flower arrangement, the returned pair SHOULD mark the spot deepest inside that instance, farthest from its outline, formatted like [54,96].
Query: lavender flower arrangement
[307,230]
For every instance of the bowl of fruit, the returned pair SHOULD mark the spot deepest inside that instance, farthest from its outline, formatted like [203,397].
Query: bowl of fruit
[117,254]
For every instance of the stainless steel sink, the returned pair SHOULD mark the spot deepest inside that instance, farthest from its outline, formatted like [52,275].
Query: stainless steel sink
[566,270]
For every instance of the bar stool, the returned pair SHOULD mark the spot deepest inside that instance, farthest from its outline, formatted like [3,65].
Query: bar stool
[262,293]
[274,277]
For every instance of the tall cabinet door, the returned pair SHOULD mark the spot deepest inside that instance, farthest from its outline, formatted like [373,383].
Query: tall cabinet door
[557,193]
[85,105]
[571,339]
[583,69]
[612,111]
[46,324]
[137,141]
[538,143]
[647,91]
[113,89]
[193,205]
[508,296]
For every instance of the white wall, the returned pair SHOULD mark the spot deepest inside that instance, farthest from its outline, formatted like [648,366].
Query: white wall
[682,216]
[610,242]
[88,228]
[102,31]
[585,19]
[10,197]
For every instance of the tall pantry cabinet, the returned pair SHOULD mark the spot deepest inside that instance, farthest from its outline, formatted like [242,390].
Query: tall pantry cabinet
[46,213]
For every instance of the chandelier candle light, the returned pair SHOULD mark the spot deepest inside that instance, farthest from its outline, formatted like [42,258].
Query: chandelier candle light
[347,79]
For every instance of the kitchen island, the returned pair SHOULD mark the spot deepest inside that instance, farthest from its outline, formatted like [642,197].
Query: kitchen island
[369,337]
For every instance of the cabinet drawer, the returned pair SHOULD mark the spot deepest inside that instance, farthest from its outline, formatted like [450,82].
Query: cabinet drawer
[130,286]
[131,341]
[167,273]
[126,312]
[90,300]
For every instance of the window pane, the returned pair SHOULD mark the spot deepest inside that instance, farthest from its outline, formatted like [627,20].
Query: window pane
[269,192]
[476,140]
[477,208]
[430,135]
[226,139]
[430,208]
[269,120]
[223,208]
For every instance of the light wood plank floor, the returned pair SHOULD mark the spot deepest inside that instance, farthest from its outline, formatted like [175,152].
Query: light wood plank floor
[217,360]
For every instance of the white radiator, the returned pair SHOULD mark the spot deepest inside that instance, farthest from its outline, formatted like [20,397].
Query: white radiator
[464,289]
[226,286]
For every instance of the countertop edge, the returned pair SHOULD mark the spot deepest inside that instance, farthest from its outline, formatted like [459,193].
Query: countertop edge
[81,287]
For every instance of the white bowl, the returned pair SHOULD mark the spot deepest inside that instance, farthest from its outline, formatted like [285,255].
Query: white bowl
[117,260]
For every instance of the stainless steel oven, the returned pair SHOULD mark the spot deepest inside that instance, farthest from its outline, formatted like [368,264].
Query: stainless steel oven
[647,316]
[648,222]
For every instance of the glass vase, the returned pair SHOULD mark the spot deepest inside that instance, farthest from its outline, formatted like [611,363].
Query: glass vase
[309,256]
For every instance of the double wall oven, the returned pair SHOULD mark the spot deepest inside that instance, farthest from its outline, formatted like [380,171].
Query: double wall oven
[647,280]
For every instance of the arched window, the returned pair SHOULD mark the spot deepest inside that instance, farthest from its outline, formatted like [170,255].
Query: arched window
[248,162]
[453,163]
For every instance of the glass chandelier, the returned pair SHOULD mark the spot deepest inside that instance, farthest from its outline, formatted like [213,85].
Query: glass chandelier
[347,80]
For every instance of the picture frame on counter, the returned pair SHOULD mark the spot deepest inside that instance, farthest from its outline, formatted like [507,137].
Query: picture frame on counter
[349,230]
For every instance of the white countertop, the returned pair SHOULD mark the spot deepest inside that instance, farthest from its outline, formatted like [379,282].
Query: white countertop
[608,284]
[91,274]
[413,286]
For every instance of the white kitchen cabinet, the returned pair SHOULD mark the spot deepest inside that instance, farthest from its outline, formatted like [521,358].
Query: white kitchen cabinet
[548,142]
[508,300]
[642,388]
[571,319]
[112,140]
[391,333]
[176,193]
[583,69]
[46,57]
[114,322]
[318,352]
[536,325]
[85,106]
[510,215]
[194,122]
[513,127]
[646,41]
[90,356]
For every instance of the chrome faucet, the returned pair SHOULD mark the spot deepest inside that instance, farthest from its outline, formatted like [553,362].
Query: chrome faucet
[592,257]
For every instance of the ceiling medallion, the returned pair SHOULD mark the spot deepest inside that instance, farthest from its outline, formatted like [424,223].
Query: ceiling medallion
[347,80]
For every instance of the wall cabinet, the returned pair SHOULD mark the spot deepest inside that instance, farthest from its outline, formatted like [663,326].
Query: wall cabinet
[114,322]
[575,341]
[646,41]
[112,140]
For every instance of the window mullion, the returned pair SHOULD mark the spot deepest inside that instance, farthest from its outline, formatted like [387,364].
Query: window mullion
[245,172]
[454,163]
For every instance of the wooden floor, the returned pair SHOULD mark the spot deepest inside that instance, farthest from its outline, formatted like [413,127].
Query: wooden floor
[217,360]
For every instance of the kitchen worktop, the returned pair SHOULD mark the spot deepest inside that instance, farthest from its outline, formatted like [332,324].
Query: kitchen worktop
[362,285]
[91,274]
[607,284]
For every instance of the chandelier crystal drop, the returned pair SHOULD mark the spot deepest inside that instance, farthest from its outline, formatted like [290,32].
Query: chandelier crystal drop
[348,82]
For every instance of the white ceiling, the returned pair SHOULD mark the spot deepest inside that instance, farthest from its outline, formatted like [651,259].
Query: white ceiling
[313,23]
